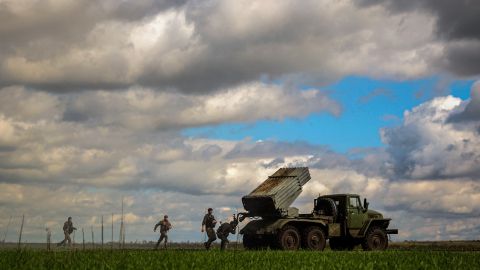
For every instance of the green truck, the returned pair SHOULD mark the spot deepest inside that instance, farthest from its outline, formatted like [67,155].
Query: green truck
[339,218]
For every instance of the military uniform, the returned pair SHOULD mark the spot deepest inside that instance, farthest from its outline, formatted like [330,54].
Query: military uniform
[67,230]
[209,222]
[165,226]
[224,230]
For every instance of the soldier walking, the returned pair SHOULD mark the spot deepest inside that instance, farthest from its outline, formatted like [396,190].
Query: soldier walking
[67,230]
[208,224]
[224,230]
[165,226]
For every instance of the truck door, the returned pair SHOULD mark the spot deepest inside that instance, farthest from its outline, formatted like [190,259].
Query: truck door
[355,213]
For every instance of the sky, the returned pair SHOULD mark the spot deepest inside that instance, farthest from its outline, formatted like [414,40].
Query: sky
[177,106]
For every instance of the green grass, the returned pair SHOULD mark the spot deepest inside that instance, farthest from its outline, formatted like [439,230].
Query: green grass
[213,260]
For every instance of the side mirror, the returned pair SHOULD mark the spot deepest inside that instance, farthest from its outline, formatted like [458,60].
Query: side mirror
[365,204]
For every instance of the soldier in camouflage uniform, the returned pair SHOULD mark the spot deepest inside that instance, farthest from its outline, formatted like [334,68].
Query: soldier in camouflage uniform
[224,230]
[67,230]
[165,226]
[208,224]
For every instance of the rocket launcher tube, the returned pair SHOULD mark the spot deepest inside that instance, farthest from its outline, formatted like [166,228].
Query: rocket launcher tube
[277,193]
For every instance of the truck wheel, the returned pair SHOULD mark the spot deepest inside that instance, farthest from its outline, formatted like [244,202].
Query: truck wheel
[376,239]
[314,238]
[288,238]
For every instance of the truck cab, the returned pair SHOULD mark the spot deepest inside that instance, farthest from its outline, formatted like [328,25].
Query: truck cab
[349,210]
[356,222]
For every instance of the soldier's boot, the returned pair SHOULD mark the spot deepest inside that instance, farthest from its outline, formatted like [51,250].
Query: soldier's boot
[222,245]
[226,243]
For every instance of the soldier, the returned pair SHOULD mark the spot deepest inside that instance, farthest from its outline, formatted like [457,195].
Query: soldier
[224,230]
[208,224]
[165,226]
[67,230]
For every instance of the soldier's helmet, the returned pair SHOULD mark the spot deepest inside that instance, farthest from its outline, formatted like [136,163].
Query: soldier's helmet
[69,218]
[210,209]
[165,216]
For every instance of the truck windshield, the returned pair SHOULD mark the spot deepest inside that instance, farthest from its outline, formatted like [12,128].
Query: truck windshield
[354,202]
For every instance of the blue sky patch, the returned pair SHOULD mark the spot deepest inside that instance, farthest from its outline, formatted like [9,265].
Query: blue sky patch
[368,105]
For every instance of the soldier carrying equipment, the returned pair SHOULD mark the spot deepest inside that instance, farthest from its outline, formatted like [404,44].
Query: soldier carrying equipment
[67,230]
[165,226]
[224,230]
[208,224]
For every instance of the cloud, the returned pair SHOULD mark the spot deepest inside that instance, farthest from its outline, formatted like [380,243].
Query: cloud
[262,149]
[140,108]
[87,206]
[130,139]
[428,145]
[199,47]
[455,20]
[94,95]
[456,24]
[471,112]
[143,108]
[462,57]
[376,93]
[79,150]
[453,197]
[22,104]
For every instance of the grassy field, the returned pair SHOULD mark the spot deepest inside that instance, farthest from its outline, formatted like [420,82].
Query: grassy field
[470,245]
[196,259]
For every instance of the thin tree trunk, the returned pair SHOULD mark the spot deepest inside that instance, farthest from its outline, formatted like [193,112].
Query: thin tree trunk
[21,231]
[93,240]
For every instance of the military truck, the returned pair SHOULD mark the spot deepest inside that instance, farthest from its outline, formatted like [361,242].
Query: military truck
[339,218]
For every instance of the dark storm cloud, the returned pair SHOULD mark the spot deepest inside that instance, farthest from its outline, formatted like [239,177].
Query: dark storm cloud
[455,21]
[464,57]
[472,109]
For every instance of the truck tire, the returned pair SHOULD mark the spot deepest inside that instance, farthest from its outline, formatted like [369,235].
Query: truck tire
[314,238]
[376,239]
[288,238]
[328,207]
